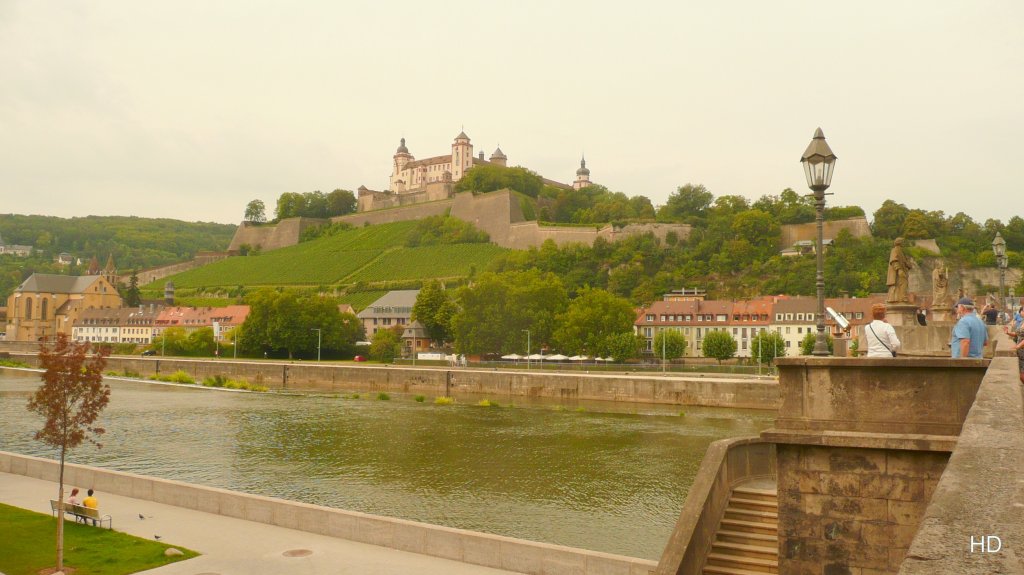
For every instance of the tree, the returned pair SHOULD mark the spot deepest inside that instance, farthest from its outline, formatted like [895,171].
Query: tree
[807,343]
[340,202]
[687,204]
[491,177]
[669,344]
[767,345]
[888,219]
[590,318]
[285,321]
[70,399]
[256,212]
[719,345]
[497,309]
[386,344]
[434,309]
[622,346]
[132,297]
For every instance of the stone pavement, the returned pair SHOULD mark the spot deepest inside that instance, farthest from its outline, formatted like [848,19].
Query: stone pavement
[232,546]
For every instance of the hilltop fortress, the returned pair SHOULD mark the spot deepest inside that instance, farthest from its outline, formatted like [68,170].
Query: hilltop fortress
[423,188]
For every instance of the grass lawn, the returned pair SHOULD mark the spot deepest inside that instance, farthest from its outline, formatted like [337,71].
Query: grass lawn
[28,543]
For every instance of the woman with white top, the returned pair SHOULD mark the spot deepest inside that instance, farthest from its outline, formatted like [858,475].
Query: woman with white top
[880,336]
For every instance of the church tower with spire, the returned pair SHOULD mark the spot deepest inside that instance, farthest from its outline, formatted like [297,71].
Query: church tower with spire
[110,271]
[582,176]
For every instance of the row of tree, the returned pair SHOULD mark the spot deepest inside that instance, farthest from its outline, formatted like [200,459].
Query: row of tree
[308,205]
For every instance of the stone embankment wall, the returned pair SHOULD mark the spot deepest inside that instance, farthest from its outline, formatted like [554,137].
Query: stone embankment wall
[575,386]
[471,547]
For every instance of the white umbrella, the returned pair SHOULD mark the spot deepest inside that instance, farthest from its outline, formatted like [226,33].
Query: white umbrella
[513,356]
[603,359]
[557,357]
[536,356]
[579,358]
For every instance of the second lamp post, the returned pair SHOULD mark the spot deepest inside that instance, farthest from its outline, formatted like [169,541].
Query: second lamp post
[818,161]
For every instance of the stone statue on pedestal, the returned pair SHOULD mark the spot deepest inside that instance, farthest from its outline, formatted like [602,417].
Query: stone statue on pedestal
[940,287]
[898,279]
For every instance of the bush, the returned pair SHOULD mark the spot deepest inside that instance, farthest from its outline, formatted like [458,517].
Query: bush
[443,401]
[383,396]
[420,398]
[488,403]
[807,343]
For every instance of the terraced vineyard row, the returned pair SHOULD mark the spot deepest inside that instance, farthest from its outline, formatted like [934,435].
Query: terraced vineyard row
[296,265]
[428,262]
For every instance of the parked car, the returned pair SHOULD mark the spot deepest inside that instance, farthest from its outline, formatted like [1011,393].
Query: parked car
[358,358]
[149,352]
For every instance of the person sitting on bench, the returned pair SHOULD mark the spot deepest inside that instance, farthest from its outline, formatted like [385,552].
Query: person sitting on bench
[92,503]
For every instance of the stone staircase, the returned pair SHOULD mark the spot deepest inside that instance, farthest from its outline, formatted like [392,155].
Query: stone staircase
[747,541]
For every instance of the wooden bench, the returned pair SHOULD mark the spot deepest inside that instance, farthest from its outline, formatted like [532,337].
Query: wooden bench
[83,513]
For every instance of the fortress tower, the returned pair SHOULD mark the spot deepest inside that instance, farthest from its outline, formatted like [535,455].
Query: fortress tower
[462,156]
[498,157]
[401,158]
[582,176]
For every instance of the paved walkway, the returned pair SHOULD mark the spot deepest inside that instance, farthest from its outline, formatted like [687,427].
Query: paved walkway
[233,546]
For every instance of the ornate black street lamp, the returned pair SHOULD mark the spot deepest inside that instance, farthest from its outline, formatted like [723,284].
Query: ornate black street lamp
[999,248]
[818,161]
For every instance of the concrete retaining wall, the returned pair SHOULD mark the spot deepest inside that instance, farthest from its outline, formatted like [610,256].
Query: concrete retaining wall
[727,463]
[458,544]
[574,386]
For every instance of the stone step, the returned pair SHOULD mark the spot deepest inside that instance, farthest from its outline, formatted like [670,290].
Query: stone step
[719,570]
[755,493]
[771,517]
[753,504]
[744,550]
[748,538]
[749,563]
[750,526]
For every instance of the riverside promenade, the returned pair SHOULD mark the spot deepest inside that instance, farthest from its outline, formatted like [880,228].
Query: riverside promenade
[231,546]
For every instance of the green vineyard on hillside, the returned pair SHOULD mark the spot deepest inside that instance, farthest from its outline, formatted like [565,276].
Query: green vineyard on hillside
[449,261]
[365,254]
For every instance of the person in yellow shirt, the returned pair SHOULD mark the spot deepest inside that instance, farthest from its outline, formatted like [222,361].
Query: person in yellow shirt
[91,502]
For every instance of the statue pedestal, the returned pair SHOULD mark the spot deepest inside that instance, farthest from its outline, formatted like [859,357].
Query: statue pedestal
[941,315]
[901,314]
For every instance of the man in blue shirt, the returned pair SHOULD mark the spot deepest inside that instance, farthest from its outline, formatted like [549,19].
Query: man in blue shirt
[969,334]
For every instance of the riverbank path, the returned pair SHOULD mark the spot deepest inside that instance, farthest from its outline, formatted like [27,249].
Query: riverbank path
[231,546]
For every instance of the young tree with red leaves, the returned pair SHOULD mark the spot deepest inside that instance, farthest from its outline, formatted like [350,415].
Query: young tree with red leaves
[71,398]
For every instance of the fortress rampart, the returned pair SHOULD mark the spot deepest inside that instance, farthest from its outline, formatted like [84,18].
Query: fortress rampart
[497,213]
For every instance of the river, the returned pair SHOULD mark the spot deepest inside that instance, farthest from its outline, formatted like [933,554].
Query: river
[602,476]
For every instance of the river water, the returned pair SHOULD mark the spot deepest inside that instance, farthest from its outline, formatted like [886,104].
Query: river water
[601,476]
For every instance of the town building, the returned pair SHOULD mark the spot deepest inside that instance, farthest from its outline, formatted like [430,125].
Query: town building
[125,325]
[14,249]
[47,304]
[687,312]
[392,309]
[414,339]
[220,319]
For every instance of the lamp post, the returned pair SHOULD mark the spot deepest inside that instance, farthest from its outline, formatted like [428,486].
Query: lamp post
[317,330]
[819,161]
[528,349]
[999,248]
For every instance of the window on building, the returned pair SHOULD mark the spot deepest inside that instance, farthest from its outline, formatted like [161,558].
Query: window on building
[778,317]
[788,343]
[789,317]
[787,330]
[723,317]
[735,317]
[662,317]
[799,330]
[42,309]
[28,308]
[650,317]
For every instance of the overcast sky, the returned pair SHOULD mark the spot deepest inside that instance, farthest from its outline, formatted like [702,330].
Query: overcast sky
[189,109]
